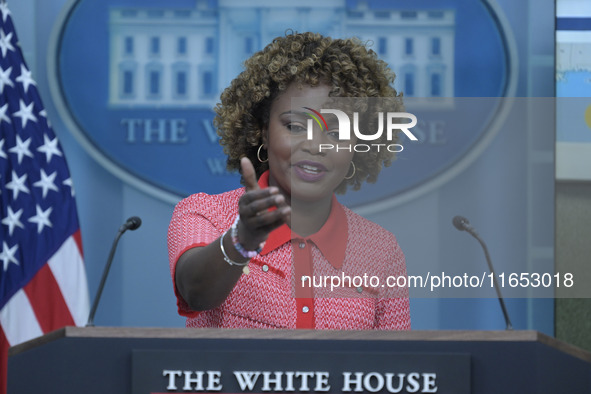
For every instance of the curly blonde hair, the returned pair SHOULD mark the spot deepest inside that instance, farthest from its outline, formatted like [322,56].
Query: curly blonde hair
[351,69]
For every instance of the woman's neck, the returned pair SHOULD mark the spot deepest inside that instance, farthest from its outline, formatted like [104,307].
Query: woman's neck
[307,217]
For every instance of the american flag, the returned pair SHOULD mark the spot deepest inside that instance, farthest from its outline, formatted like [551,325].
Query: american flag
[42,278]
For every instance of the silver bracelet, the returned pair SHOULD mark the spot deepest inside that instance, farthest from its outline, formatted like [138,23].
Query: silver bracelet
[228,260]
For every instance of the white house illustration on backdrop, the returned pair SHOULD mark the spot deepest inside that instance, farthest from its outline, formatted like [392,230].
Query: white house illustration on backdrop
[185,57]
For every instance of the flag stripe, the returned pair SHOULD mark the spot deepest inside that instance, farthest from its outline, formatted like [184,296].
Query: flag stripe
[3,358]
[68,269]
[18,319]
[78,239]
[47,301]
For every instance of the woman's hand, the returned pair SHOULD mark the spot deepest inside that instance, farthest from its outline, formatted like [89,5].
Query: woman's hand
[261,210]
[203,278]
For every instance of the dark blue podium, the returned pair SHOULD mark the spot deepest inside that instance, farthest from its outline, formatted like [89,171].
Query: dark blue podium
[153,360]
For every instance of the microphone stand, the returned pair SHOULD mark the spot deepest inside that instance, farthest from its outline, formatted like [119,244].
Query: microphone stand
[132,223]
[508,326]
[99,291]
[462,224]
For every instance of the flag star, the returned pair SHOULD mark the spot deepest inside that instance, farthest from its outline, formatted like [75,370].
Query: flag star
[25,113]
[5,78]
[49,147]
[21,148]
[17,185]
[5,11]
[2,154]
[25,78]
[43,113]
[7,255]
[5,44]
[3,116]
[12,220]
[41,218]
[68,182]
[46,182]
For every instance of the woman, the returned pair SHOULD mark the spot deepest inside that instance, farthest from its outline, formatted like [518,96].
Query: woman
[240,259]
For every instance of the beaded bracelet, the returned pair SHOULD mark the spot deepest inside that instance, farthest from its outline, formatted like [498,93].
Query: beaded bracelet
[227,258]
[249,254]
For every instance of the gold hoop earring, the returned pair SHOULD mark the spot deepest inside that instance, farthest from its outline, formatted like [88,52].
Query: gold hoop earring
[259,155]
[353,174]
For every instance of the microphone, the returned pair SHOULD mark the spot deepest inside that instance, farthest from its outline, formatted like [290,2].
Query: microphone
[131,224]
[462,224]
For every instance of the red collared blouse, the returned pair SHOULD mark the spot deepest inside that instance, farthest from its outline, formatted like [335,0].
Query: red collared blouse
[342,277]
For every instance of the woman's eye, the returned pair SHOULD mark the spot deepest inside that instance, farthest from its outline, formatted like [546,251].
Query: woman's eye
[334,134]
[295,127]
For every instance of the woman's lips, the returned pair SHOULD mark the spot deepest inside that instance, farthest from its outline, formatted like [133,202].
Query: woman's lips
[309,171]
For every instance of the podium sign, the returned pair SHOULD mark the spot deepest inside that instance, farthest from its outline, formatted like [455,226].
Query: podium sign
[298,372]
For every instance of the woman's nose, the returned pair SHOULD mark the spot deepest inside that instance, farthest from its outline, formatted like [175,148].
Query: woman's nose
[314,139]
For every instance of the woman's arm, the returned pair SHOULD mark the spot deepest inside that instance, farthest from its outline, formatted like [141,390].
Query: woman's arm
[203,278]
